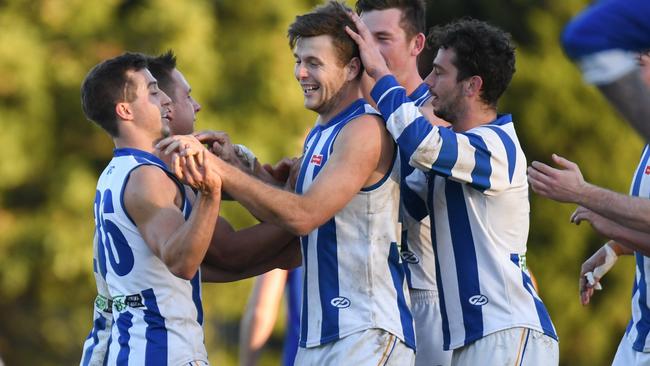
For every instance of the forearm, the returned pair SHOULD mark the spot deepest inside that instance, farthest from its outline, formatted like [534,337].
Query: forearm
[628,211]
[289,257]
[185,249]
[237,250]
[631,239]
[269,204]
[619,248]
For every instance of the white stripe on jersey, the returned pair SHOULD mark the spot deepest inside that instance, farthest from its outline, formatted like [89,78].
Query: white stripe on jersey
[157,316]
[354,279]
[638,330]
[478,202]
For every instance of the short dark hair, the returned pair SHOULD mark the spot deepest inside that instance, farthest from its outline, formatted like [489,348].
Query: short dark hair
[161,68]
[481,49]
[413,12]
[329,19]
[108,84]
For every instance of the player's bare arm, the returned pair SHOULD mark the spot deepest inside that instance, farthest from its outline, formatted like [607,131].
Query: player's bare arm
[180,244]
[566,184]
[351,167]
[633,239]
[288,257]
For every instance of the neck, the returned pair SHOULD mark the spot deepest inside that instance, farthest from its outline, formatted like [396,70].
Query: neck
[347,95]
[477,114]
[410,81]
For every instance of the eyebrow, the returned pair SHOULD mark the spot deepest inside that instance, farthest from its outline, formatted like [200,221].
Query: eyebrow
[437,66]
[152,83]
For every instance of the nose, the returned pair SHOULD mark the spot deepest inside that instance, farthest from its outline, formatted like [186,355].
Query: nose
[164,99]
[430,79]
[196,105]
[300,71]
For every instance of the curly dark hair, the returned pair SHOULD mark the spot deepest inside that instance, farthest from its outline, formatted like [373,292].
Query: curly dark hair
[413,12]
[481,49]
[329,19]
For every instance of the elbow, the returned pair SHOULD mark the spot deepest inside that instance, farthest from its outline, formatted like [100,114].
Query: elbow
[301,226]
[183,269]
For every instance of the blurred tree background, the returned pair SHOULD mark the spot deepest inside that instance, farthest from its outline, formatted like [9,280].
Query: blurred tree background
[235,56]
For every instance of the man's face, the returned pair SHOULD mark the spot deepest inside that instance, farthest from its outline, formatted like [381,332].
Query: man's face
[393,42]
[184,107]
[447,94]
[151,105]
[320,73]
[644,64]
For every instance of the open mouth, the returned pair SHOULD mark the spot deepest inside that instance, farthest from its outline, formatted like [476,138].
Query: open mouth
[309,88]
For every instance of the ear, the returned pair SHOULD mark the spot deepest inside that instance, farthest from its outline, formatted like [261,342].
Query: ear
[417,44]
[473,86]
[124,111]
[353,68]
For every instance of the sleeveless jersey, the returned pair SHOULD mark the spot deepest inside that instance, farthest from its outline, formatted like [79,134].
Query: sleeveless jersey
[417,249]
[639,327]
[157,316]
[353,277]
[478,203]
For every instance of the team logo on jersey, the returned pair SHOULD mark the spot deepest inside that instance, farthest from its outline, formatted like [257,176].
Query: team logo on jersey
[316,159]
[409,257]
[478,300]
[647,170]
[340,302]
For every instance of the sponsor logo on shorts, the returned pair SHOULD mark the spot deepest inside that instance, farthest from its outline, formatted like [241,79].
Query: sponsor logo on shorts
[317,159]
[409,257]
[340,302]
[478,300]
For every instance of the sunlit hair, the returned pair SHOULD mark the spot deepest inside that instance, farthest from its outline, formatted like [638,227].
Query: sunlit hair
[329,19]
[481,49]
[413,13]
[108,84]
[161,67]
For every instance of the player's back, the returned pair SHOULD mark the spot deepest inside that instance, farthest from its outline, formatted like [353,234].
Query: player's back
[353,276]
[157,316]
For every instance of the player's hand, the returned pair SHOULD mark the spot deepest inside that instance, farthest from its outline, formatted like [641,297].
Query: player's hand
[564,185]
[600,224]
[293,174]
[590,266]
[373,61]
[193,171]
[184,145]
[281,171]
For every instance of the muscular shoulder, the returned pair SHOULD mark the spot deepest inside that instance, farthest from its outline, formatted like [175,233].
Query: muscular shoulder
[148,188]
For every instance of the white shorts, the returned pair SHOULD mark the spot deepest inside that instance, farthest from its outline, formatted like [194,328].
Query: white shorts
[514,346]
[371,347]
[425,308]
[627,356]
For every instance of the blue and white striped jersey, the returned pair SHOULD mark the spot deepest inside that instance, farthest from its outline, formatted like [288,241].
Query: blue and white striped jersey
[639,327]
[353,276]
[95,348]
[157,316]
[478,202]
[417,249]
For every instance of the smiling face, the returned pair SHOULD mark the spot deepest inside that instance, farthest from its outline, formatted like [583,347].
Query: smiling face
[321,74]
[399,50]
[184,107]
[151,105]
[447,93]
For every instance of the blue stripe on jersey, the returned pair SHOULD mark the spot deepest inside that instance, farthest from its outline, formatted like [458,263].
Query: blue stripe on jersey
[405,248]
[542,313]
[305,160]
[140,156]
[124,323]
[99,325]
[328,281]
[466,262]
[385,177]
[638,177]
[196,296]
[101,254]
[108,350]
[156,332]
[303,316]
[446,337]
[642,326]
[412,136]
[448,154]
[420,95]
[482,167]
[511,149]
[398,280]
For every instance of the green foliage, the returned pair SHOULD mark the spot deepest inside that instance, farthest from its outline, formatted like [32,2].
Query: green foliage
[235,55]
